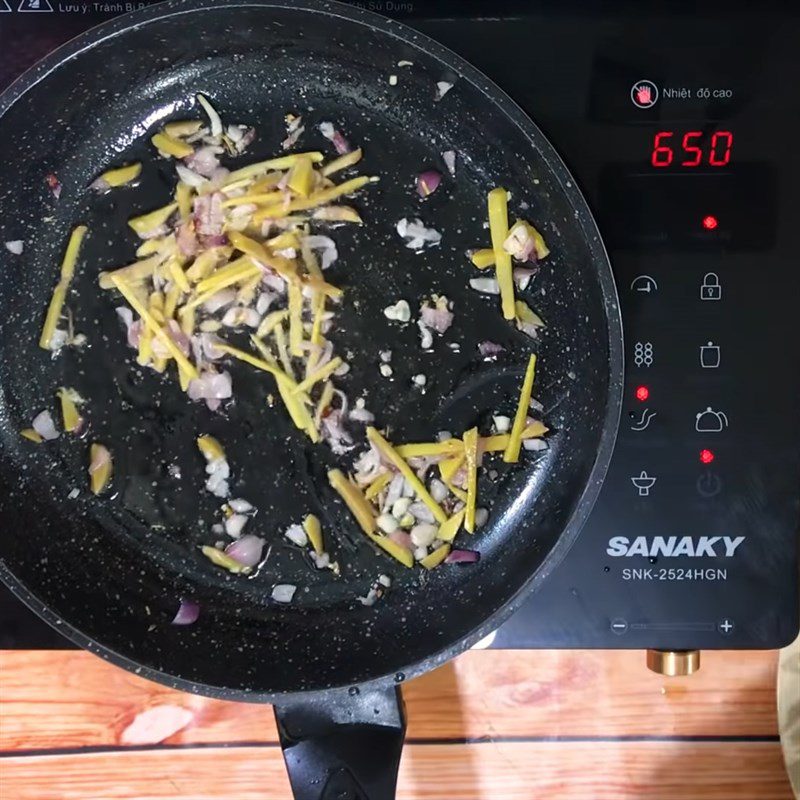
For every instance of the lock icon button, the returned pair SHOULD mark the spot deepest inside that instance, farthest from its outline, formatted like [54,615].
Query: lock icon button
[710,288]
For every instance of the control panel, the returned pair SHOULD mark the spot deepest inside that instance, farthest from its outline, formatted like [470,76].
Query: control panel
[674,133]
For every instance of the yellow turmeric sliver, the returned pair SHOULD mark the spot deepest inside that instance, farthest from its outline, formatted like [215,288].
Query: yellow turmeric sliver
[301,178]
[254,361]
[31,435]
[283,350]
[171,301]
[60,292]
[183,197]
[378,485]
[313,529]
[354,500]
[318,306]
[153,219]
[432,560]
[316,199]
[121,175]
[511,454]
[253,198]
[396,551]
[280,163]
[133,273]
[239,269]
[171,146]
[70,417]
[320,375]
[498,227]
[400,464]
[449,447]
[178,275]
[324,401]
[482,258]
[183,127]
[295,319]
[471,452]
[342,162]
[150,322]
[499,442]
[448,530]
[296,408]
[270,321]
[205,263]
[449,467]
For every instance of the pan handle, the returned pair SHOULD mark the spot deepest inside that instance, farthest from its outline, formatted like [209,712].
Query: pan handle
[344,745]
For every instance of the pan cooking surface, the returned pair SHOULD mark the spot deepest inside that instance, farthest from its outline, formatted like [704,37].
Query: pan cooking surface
[115,567]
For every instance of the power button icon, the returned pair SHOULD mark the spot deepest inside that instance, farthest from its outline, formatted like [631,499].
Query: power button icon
[709,484]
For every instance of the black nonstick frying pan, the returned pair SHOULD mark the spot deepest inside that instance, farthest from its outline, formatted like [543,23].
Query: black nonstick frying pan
[109,571]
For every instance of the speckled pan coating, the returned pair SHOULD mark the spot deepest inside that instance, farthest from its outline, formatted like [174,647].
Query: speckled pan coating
[108,572]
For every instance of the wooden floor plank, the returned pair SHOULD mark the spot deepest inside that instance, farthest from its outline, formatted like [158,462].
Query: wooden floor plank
[492,771]
[72,699]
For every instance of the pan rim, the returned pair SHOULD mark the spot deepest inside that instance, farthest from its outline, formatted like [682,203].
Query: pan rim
[597,251]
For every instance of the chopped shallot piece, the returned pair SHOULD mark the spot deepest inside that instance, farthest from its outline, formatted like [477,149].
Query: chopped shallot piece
[234,525]
[211,386]
[522,277]
[16,247]
[449,157]
[442,88]
[283,592]
[296,535]
[340,144]
[416,234]
[204,161]
[326,246]
[485,285]
[462,557]
[53,184]
[399,312]
[247,550]
[428,182]
[294,130]
[213,116]
[208,214]
[438,317]
[44,425]
[487,349]
[187,614]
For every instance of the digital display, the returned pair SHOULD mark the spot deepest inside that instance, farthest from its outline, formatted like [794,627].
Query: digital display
[691,149]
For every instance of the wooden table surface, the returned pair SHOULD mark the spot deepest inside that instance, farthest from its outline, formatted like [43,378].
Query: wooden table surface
[505,725]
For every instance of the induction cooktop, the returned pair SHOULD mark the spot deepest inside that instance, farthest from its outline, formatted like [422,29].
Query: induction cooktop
[682,129]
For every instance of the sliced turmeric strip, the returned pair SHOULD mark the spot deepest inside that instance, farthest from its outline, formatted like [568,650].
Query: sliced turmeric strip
[254,361]
[183,127]
[253,198]
[283,350]
[511,454]
[205,263]
[222,559]
[432,560]
[343,162]
[284,240]
[301,177]
[295,319]
[378,485]
[153,219]
[171,301]
[309,259]
[280,163]
[391,455]
[178,275]
[482,258]
[316,199]
[449,447]
[448,530]
[396,551]
[210,447]
[354,500]
[320,375]
[322,286]
[150,246]
[318,310]
[449,467]
[297,409]
[121,175]
[313,529]
[238,269]
[134,302]
[498,226]
[269,322]
[187,320]
[471,452]
[100,476]
[60,292]
[499,442]
[133,273]
[31,435]
[70,416]
[459,493]
[183,197]
[165,143]
[323,403]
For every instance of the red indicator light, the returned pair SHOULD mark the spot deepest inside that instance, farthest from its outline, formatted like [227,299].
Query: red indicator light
[706,456]
[642,393]
[710,222]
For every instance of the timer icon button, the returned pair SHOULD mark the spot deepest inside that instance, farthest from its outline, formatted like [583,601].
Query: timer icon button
[644,94]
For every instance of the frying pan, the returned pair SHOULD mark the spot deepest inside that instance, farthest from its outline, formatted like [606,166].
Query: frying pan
[108,572]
